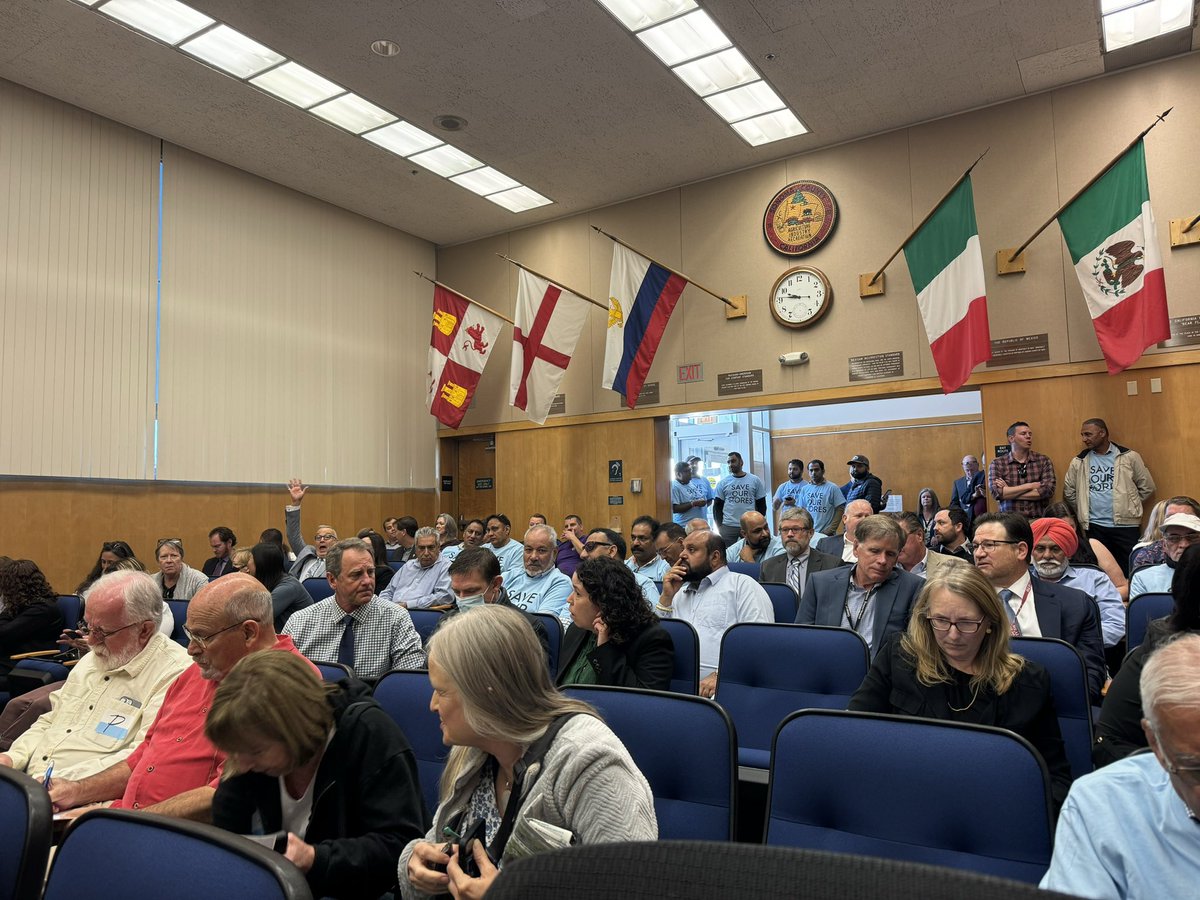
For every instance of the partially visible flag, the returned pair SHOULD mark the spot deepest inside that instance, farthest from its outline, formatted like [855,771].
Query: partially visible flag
[549,321]
[1109,231]
[463,337]
[642,296]
[946,266]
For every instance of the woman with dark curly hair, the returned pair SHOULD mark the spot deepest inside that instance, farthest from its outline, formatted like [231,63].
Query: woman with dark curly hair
[614,637]
[111,553]
[30,619]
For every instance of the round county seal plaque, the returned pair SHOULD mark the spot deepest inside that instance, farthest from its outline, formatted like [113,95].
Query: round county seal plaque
[800,217]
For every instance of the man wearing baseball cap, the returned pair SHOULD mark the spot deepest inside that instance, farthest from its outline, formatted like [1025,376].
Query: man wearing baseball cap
[862,484]
[1180,531]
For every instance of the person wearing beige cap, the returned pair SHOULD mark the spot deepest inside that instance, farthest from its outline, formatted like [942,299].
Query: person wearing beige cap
[862,484]
[1180,531]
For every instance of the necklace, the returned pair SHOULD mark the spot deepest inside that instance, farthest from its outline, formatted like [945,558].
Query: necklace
[974,697]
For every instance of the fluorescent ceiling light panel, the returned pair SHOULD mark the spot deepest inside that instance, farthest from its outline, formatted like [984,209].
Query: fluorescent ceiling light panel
[745,101]
[87,2]
[773,126]
[519,199]
[232,52]
[353,113]
[166,20]
[402,139]
[485,181]
[296,84]
[718,72]
[638,14]
[687,37]
[1145,21]
[1107,7]
[446,161]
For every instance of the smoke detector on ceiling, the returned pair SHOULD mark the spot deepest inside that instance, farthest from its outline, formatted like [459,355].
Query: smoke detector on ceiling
[450,123]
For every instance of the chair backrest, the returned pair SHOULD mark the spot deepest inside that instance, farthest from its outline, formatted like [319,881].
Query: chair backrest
[768,671]
[880,785]
[693,799]
[1141,610]
[333,671]
[784,600]
[404,695]
[166,857]
[71,607]
[745,568]
[26,827]
[554,631]
[685,677]
[1068,682]
[318,588]
[426,622]
[179,614]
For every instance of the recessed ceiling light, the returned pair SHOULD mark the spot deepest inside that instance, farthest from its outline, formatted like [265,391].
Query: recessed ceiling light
[296,84]
[485,181]
[353,113]
[450,123]
[232,52]
[638,14]
[166,20]
[446,161]
[519,199]
[687,37]
[774,126]
[745,101]
[385,48]
[402,138]
[718,72]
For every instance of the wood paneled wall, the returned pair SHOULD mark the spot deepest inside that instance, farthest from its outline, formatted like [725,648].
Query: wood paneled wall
[61,524]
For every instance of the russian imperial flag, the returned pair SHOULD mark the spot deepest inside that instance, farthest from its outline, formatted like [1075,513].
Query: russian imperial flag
[642,296]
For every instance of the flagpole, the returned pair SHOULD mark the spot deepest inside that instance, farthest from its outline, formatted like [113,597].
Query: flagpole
[1116,159]
[932,210]
[1190,225]
[613,237]
[579,294]
[447,287]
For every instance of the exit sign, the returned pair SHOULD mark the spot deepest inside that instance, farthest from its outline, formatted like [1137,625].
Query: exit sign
[689,373]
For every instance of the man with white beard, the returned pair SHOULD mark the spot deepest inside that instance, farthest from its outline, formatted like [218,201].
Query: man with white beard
[110,699]
[1054,542]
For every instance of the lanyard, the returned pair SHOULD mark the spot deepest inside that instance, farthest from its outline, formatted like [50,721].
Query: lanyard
[862,610]
[1014,628]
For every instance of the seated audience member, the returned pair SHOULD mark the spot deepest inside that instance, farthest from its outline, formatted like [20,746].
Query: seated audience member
[843,546]
[287,594]
[423,581]
[756,543]
[1054,540]
[475,579]
[570,546]
[536,519]
[613,638]
[275,536]
[474,534]
[383,572]
[323,763]
[111,696]
[354,627]
[695,525]
[222,541]
[798,560]
[175,578]
[1090,551]
[823,500]
[310,558]
[175,770]
[586,787]
[29,616]
[508,551]
[668,542]
[447,531]
[951,528]
[643,557]
[1119,730]
[700,589]
[1148,550]
[872,597]
[915,556]
[538,586]
[954,662]
[1180,531]
[1154,553]
[927,507]
[1003,543]
[111,553]
[243,559]
[1129,830]
[404,535]
[606,542]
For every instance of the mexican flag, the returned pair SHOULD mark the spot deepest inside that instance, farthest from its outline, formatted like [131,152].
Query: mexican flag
[946,266]
[1109,232]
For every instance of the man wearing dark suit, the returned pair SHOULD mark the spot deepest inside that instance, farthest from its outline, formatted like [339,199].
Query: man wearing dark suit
[222,541]
[797,562]
[969,492]
[1037,608]
[873,597]
[843,546]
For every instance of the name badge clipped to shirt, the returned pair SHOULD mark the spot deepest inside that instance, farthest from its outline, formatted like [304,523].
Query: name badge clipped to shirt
[119,718]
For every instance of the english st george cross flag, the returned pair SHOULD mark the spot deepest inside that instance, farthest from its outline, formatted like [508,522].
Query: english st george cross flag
[642,296]
[1109,231]
[946,266]
[549,322]
[463,337]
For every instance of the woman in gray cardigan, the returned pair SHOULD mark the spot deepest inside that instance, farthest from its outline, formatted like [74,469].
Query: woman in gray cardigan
[175,578]
[526,761]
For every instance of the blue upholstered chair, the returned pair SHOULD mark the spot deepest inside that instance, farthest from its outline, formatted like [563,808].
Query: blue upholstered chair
[25,835]
[554,630]
[333,671]
[404,695]
[318,588]
[784,600]
[685,678]
[1068,681]
[1141,610]
[745,568]
[179,613]
[426,622]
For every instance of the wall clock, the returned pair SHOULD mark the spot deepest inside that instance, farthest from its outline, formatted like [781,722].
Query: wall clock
[800,297]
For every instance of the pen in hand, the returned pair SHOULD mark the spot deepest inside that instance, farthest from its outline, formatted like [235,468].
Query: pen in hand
[49,772]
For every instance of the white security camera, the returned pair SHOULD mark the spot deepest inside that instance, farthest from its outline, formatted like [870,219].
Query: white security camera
[793,359]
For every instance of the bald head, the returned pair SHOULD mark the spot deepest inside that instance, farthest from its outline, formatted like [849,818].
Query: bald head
[755,530]
[856,511]
[228,619]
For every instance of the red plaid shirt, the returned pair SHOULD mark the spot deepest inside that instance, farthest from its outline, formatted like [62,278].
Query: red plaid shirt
[1036,468]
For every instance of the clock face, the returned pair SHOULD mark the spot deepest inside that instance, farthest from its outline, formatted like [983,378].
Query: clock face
[800,297]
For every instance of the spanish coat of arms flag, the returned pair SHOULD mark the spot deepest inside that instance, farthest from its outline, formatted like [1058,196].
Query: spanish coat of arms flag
[463,337]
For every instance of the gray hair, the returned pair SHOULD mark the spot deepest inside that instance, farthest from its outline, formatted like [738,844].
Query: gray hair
[142,595]
[693,527]
[1171,678]
[549,529]
[427,531]
[797,512]
[251,604]
[333,559]
[449,525]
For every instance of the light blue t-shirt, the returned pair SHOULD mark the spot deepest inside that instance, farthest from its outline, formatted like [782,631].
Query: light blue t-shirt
[686,493]
[511,556]
[655,570]
[546,593]
[1101,469]
[1151,580]
[789,490]
[738,495]
[733,553]
[821,501]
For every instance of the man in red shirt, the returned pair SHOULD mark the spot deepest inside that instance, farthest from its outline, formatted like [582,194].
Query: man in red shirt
[175,771]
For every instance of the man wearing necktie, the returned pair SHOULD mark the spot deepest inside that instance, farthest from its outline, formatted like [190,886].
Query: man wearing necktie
[968,493]
[798,560]
[222,540]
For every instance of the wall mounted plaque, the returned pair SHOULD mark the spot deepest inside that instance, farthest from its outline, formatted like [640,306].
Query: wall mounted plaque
[800,218]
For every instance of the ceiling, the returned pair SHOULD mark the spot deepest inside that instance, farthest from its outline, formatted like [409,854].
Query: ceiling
[555,92]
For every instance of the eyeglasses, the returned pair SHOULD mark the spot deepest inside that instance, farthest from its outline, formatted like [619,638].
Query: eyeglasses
[326,537]
[116,546]
[990,546]
[99,633]
[1190,538]
[592,545]
[203,642]
[1187,774]
[964,626]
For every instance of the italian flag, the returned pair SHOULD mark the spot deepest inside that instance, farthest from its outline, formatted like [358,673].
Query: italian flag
[946,266]
[1109,232]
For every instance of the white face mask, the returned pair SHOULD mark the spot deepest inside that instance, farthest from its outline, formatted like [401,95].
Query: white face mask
[470,602]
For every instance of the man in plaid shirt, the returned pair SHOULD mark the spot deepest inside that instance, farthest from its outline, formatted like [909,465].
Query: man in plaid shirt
[1022,480]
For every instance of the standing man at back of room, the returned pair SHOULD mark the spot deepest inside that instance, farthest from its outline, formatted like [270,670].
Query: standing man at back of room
[737,493]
